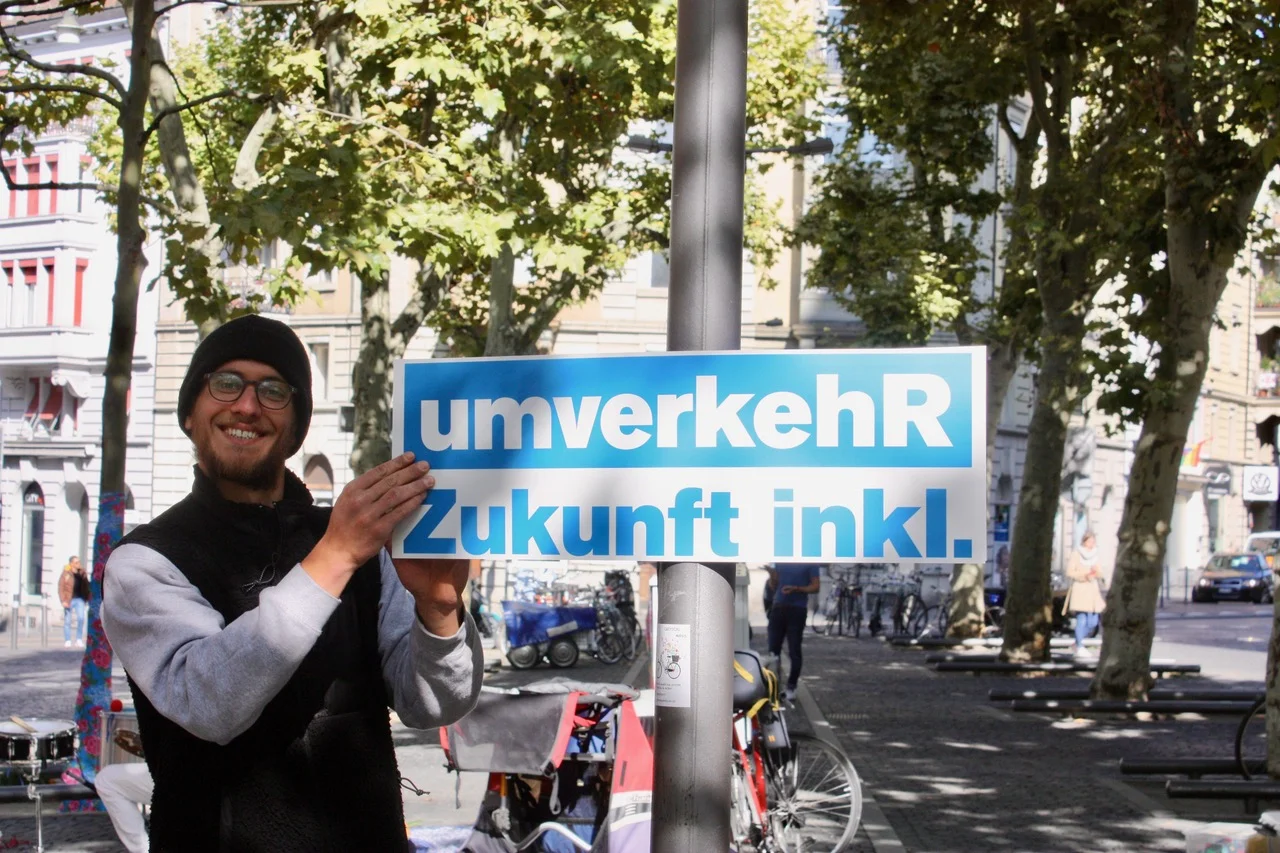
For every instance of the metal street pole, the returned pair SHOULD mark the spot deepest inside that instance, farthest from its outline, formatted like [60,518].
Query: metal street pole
[692,733]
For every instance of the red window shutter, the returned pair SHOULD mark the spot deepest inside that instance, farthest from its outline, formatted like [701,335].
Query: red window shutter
[28,268]
[81,265]
[33,176]
[52,162]
[48,277]
[7,267]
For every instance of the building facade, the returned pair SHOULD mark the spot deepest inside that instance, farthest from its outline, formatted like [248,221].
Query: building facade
[57,278]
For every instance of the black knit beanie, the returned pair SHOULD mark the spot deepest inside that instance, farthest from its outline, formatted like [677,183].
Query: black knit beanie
[253,338]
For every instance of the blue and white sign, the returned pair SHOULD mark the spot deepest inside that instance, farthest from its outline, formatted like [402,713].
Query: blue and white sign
[813,455]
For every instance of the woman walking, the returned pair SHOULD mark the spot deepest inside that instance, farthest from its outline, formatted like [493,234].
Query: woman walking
[73,593]
[1085,598]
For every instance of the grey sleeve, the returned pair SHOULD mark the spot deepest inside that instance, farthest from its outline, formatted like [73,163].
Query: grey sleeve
[432,680]
[211,678]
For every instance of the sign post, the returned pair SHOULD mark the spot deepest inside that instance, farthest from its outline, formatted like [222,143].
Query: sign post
[704,312]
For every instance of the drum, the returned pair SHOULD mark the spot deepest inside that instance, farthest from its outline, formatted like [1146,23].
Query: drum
[114,725]
[51,740]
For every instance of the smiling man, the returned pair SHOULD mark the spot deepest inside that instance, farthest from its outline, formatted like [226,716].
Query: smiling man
[265,638]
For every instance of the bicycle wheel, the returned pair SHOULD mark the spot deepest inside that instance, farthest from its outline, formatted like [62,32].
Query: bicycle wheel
[944,616]
[631,631]
[992,621]
[608,647]
[830,614]
[742,823]
[1251,741]
[911,616]
[853,614]
[815,798]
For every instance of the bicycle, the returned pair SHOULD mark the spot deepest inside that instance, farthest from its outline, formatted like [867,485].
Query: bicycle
[843,607]
[489,623]
[992,618]
[1251,741]
[789,791]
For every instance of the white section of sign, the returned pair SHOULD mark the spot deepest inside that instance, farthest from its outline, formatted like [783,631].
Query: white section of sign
[673,686]
[705,514]
[1260,483]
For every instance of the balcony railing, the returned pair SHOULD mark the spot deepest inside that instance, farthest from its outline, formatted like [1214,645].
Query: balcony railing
[1268,384]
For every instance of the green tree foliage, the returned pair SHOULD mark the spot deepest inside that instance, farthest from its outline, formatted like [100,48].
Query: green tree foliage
[479,141]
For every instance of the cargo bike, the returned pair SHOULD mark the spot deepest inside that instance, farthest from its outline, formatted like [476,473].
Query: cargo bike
[570,768]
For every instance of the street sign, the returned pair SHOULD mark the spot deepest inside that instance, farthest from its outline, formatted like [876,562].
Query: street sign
[801,455]
[1260,483]
[1217,481]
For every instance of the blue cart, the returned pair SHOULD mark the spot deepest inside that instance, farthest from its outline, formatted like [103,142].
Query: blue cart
[535,631]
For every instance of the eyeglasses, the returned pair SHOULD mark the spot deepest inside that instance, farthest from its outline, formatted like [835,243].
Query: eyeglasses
[226,387]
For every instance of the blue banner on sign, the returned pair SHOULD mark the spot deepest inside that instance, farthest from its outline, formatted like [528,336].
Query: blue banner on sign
[760,410]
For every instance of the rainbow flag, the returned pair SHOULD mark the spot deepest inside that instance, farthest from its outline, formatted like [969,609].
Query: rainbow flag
[1191,454]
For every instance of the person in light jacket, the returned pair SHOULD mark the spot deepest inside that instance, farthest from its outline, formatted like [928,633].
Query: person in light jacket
[1085,598]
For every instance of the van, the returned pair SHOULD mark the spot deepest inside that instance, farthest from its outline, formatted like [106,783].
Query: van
[1267,544]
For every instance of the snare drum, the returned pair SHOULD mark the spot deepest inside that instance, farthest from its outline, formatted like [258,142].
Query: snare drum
[52,740]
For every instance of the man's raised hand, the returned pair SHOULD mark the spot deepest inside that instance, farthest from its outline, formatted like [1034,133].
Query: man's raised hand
[363,518]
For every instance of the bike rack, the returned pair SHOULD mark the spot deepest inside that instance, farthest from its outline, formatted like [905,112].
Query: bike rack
[1124,706]
[980,667]
[1249,790]
[1192,768]
[976,642]
[987,658]
[926,643]
[1005,694]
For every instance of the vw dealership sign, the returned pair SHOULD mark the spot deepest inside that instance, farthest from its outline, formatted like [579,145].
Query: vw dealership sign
[1260,483]
[818,455]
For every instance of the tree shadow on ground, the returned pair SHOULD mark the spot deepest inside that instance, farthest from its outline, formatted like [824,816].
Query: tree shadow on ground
[953,772]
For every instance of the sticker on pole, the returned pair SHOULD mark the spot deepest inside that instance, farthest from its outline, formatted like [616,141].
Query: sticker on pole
[812,456]
[671,687]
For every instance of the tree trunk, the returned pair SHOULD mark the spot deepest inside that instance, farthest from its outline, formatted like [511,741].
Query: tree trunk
[968,580]
[1028,620]
[1198,267]
[175,156]
[501,336]
[371,377]
[95,669]
[1273,693]
[381,343]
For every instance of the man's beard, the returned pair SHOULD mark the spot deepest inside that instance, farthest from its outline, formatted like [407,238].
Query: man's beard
[260,475]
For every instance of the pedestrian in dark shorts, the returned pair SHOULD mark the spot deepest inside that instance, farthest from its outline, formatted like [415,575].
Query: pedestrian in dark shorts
[793,583]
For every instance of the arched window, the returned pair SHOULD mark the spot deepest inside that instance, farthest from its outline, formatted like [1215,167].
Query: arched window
[317,475]
[33,540]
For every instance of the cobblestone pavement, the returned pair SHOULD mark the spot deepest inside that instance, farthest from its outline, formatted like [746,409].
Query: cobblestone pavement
[954,774]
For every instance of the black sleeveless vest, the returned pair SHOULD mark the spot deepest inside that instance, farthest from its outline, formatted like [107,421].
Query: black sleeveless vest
[317,771]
